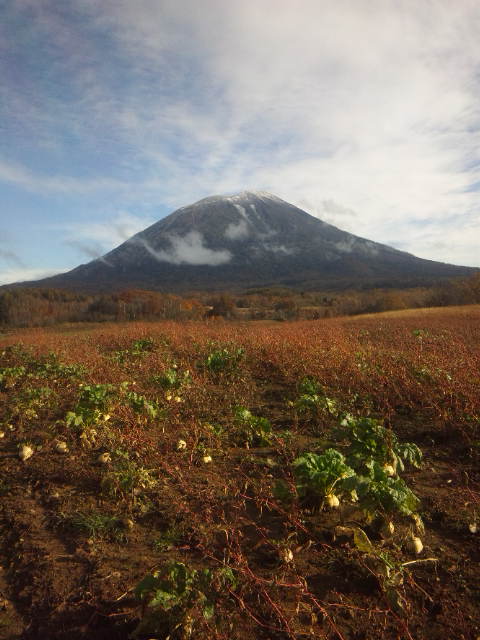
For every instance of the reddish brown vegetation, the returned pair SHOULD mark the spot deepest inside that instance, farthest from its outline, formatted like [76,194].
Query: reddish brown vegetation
[23,307]
[419,372]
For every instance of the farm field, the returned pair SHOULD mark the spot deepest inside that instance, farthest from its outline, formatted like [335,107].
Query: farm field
[314,479]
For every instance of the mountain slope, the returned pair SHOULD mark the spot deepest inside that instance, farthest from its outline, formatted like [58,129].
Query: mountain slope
[244,240]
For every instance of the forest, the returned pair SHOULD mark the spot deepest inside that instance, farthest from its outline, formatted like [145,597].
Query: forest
[32,307]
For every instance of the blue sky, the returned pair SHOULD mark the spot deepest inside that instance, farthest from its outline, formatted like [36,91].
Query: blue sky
[365,113]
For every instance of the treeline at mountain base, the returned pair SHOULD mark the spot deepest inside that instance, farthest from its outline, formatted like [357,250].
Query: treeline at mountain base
[24,307]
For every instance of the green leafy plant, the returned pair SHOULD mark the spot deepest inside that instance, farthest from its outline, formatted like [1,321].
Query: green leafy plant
[363,473]
[143,344]
[31,400]
[317,475]
[214,429]
[254,431]
[313,400]
[172,378]
[224,359]
[51,367]
[93,405]
[380,494]
[126,476]
[370,440]
[96,525]
[9,376]
[285,437]
[140,404]
[176,598]
[137,349]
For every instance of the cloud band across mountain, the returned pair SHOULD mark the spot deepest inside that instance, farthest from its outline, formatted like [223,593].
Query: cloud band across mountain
[188,249]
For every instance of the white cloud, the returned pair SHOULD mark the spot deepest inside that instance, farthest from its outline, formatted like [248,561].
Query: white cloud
[94,238]
[188,249]
[330,211]
[237,230]
[278,248]
[376,112]
[240,229]
[352,106]
[37,183]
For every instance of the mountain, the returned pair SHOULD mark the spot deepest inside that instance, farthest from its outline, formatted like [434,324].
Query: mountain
[251,239]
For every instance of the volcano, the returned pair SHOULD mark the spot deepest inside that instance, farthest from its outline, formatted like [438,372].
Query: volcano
[250,239]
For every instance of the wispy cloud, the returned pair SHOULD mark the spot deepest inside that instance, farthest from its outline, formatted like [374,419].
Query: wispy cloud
[372,123]
[237,230]
[10,257]
[330,211]
[93,238]
[38,183]
[12,267]
[11,275]
[188,249]
[92,249]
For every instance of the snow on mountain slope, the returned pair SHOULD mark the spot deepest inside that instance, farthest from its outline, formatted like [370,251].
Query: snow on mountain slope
[252,238]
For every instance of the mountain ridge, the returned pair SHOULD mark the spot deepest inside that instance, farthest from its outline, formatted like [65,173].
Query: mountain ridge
[248,239]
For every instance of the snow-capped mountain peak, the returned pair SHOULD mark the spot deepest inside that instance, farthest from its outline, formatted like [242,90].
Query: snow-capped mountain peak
[251,238]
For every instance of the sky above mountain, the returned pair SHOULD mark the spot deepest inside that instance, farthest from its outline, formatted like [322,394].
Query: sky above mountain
[114,113]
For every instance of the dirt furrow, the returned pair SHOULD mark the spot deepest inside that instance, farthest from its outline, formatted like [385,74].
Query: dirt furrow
[46,579]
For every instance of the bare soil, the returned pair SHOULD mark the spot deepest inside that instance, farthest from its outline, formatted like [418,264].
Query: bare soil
[73,548]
